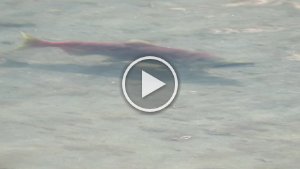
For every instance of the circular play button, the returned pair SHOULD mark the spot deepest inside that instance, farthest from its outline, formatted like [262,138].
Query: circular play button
[150,84]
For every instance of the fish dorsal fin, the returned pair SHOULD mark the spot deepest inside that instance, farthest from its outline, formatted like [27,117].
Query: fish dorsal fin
[138,42]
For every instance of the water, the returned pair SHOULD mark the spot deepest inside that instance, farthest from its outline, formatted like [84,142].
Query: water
[65,111]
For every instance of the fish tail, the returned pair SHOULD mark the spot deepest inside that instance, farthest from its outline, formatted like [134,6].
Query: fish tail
[29,41]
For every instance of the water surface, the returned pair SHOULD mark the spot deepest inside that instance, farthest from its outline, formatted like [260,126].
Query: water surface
[64,111]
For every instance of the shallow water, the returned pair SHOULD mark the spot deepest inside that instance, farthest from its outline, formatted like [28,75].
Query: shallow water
[65,111]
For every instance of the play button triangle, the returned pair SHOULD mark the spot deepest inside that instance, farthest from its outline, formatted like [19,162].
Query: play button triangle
[150,84]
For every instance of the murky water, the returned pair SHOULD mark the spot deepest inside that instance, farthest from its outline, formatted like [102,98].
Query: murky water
[59,110]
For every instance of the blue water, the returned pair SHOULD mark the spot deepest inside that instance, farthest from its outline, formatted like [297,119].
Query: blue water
[64,111]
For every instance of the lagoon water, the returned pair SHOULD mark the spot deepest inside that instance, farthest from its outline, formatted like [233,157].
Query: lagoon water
[62,111]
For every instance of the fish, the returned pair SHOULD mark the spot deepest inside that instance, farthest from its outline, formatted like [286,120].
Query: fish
[190,65]
[123,51]
[130,50]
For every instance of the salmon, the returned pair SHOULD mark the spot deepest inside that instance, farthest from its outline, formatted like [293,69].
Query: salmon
[124,51]
[128,51]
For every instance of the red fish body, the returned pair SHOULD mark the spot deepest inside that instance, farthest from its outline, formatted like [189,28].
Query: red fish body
[119,50]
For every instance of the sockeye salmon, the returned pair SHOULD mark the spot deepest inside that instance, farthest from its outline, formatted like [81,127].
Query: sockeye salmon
[118,50]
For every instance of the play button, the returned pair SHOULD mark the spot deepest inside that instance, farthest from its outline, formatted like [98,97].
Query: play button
[150,84]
